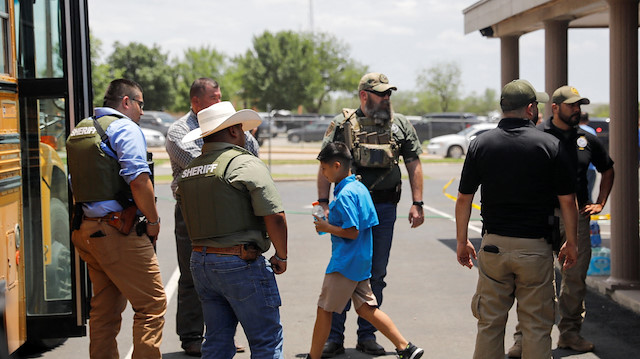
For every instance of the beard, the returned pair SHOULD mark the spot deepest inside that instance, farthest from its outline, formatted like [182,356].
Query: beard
[571,120]
[378,111]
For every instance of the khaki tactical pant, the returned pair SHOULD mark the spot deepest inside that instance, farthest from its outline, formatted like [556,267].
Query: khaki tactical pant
[574,288]
[121,268]
[522,270]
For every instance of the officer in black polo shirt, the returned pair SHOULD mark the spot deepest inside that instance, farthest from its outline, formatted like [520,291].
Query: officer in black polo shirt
[522,170]
[583,148]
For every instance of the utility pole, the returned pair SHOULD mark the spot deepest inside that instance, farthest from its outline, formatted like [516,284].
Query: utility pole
[311,15]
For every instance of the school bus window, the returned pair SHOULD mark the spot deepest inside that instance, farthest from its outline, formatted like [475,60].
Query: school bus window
[46,27]
[4,33]
[47,35]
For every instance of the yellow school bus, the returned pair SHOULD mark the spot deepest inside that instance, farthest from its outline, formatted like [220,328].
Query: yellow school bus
[45,85]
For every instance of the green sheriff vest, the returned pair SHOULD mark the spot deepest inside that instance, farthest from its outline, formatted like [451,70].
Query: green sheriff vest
[216,213]
[94,174]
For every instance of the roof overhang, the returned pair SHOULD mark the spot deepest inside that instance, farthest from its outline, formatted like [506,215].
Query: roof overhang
[497,18]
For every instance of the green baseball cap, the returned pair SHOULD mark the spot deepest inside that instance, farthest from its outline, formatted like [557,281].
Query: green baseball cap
[518,94]
[568,94]
[375,81]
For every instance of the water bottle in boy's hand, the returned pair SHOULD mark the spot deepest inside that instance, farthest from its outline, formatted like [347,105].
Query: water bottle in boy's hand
[318,211]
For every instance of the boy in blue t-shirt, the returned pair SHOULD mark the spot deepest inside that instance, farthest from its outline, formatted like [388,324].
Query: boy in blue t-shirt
[351,217]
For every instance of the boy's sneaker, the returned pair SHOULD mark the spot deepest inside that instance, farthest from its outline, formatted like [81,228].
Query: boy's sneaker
[410,352]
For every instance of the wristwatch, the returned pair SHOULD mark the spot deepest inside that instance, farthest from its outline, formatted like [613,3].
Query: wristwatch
[419,204]
[154,223]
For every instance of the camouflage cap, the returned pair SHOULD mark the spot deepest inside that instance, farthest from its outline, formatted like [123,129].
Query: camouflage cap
[375,81]
[568,94]
[518,94]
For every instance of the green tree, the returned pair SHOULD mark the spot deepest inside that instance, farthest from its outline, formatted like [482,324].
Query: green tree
[288,69]
[101,73]
[481,104]
[339,72]
[414,103]
[600,111]
[150,68]
[197,63]
[443,81]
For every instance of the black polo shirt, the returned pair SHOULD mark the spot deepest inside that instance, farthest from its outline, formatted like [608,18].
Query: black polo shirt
[522,171]
[583,148]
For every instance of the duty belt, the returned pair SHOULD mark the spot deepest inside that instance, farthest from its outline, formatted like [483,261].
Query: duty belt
[235,250]
[248,252]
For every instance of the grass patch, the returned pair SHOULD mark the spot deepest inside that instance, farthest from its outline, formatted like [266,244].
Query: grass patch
[315,162]
[293,176]
[291,162]
[160,161]
[442,160]
[163,178]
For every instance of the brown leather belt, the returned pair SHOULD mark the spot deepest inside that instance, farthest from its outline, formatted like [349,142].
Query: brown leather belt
[111,215]
[235,250]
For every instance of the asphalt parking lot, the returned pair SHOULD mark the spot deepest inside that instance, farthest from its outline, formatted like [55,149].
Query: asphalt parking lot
[428,294]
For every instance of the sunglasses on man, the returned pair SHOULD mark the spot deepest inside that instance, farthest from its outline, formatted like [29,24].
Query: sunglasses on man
[380,94]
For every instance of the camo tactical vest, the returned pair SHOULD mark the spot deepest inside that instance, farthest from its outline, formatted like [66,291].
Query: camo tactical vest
[94,174]
[211,206]
[372,145]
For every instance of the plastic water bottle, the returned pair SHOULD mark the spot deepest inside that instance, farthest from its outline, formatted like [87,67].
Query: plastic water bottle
[600,263]
[318,211]
[594,229]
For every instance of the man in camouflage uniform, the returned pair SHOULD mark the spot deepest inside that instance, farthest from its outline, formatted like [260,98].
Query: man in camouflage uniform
[377,137]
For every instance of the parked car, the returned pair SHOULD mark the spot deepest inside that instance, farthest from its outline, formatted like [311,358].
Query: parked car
[601,125]
[154,138]
[267,128]
[438,124]
[311,132]
[157,120]
[456,145]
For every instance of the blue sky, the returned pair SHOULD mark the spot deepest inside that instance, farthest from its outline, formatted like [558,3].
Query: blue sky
[398,38]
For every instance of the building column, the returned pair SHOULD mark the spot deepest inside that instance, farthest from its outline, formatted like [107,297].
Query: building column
[623,74]
[555,58]
[509,59]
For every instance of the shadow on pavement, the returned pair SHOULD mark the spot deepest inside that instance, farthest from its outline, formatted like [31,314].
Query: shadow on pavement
[611,327]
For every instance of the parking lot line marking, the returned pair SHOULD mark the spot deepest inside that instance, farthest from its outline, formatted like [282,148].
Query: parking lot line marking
[449,217]
[169,289]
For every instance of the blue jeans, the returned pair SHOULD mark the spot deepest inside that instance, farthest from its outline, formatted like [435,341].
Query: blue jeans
[382,238]
[232,290]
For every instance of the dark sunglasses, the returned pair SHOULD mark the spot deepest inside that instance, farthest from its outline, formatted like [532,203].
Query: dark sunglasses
[380,94]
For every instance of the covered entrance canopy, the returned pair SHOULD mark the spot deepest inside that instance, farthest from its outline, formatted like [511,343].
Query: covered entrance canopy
[509,19]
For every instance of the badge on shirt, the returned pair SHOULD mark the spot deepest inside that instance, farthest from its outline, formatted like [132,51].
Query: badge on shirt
[394,128]
[582,142]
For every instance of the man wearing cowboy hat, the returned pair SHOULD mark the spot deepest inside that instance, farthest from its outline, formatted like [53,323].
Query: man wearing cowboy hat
[233,214]
[204,92]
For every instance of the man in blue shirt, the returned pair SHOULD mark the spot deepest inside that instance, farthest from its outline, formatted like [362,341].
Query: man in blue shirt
[351,217]
[107,157]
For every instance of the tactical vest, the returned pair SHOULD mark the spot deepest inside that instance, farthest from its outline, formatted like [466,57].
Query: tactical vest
[211,206]
[94,174]
[371,144]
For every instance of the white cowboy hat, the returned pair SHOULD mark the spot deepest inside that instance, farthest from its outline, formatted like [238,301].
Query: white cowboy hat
[220,116]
